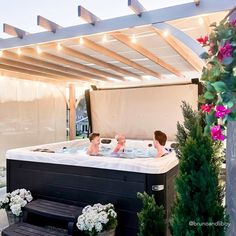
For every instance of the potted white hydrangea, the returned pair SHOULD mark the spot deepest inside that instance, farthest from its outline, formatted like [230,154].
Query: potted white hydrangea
[98,220]
[14,202]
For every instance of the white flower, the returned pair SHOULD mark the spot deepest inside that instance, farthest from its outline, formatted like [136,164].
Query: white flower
[109,205]
[5,199]
[28,197]
[16,209]
[98,227]
[22,192]
[95,217]
[15,192]
[86,209]
[112,213]
[16,200]
[103,217]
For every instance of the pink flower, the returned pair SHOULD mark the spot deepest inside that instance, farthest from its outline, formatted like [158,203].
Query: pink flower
[225,51]
[207,107]
[221,111]
[216,133]
[232,23]
[202,40]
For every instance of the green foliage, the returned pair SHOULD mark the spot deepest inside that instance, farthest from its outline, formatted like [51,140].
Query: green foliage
[219,75]
[199,195]
[151,217]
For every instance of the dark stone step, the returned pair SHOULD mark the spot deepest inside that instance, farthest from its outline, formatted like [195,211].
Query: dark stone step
[24,229]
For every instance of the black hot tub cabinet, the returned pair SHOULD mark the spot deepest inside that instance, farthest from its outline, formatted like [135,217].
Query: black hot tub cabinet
[83,185]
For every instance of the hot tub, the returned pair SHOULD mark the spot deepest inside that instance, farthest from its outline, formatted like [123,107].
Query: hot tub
[64,172]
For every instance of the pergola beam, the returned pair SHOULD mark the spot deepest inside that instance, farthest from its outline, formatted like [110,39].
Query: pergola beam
[62,61]
[85,57]
[191,58]
[182,37]
[87,15]
[13,31]
[120,23]
[146,53]
[136,7]
[47,65]
[29,72]
[47,24]
[40,69]
[96,47]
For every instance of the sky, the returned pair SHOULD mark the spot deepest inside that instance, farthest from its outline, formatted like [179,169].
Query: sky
[23,13]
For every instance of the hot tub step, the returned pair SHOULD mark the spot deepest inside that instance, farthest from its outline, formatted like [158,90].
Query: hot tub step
[24,229]
[53,210]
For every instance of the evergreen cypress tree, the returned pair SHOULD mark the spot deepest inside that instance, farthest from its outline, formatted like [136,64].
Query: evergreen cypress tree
[198,209]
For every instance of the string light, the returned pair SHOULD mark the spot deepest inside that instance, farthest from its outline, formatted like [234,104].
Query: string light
[39,51]
[166,33]
[81,41]
[1,53]
[104,38]
[19,52]
[133,39]
[200,21]
[59,47]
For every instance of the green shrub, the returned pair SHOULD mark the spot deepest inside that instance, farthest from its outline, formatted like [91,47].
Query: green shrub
[199,195]
[151,217]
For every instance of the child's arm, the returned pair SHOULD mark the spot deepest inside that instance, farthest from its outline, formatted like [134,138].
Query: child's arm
[117,148]
[89,150]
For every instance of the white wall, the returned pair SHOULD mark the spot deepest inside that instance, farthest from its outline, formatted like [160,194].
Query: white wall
[138,112]
[31,113]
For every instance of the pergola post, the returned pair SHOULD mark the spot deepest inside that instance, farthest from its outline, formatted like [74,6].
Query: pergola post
[231,176]
[72,112]
[231,165]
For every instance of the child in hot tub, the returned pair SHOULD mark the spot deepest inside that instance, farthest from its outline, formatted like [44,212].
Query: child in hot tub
[93,149]
[159,141]
[120,147]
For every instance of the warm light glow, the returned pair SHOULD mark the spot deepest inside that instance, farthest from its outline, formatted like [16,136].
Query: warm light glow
[59,47]
[81,41]
[133,39]
[19,52]
[39,51]
[104,38]
[148,77]
[200,21]
[131,78]
[166,33]
[1,53]
[113,79]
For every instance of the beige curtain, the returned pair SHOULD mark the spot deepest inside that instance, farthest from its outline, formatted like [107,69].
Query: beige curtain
[137,112]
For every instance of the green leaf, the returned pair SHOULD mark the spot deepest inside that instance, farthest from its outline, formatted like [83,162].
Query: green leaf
[204,55]
[234,71]
[227,61]
[233,43]
[231,116]
[201,99]
[210,118]
[210,88]
[208,95]
[206,129]
[219,86]
[230,104]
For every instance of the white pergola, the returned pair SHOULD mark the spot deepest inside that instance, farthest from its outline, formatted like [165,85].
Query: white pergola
[148,47]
